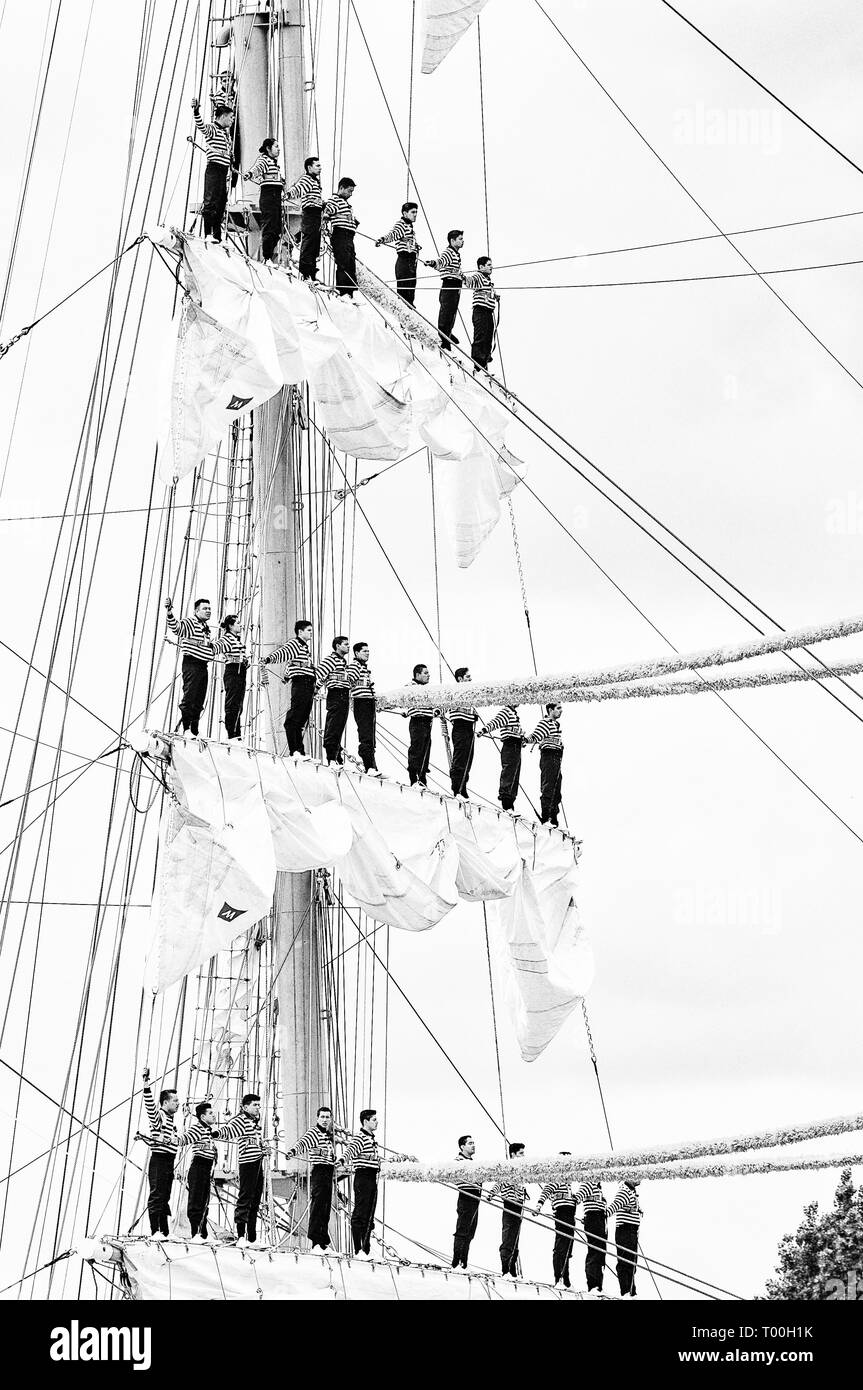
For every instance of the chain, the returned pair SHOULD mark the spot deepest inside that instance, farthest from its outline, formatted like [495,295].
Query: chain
[520,568]
[4,347]
[587,1026]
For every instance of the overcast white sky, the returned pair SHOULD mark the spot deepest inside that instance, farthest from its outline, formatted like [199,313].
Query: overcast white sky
[722,898]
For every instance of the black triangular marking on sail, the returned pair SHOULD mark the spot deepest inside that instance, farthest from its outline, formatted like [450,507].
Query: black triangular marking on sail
[230,914]
[237,402]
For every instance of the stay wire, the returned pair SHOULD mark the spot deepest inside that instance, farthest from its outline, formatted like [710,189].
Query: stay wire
[691,196]
[764,88]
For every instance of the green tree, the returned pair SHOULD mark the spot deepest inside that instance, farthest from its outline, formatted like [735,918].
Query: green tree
[824,1257]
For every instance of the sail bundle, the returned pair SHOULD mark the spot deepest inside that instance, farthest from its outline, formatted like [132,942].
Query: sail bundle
[405,857]
[246,331]
[444,23]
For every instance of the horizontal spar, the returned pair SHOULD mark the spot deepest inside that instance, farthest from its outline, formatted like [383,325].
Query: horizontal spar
[608,1164]
[533,690]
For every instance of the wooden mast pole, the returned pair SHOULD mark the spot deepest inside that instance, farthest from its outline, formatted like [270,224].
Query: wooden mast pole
[270,48]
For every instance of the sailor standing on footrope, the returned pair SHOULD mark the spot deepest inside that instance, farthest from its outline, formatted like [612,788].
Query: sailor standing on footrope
[362,689]
[199,1136]
[266,172]
[362,1153]
[230,646]
[163,1146]
[300,671]
[513,1194]
[332,676]
[626,1208]
[547,736]
[219,145]
[307,190]
[449,265]
[485,298]
[467,1206]
[197,649]
[339,216]
[318,1146]
[463,733]
[402,238]
[420,727]
[593,1205]
[512,736]
[559,1194]
[245,1128]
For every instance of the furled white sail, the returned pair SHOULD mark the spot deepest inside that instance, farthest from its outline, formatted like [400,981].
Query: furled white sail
[444,23]
[405,856]
[174,1270]
[247,330]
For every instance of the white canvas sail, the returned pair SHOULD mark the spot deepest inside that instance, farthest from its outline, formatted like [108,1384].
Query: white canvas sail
[444,23]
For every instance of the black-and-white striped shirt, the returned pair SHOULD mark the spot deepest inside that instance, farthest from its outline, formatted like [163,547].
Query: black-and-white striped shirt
[590,1194]
[317,1145]
[483,290]
[360,681]
[465,712]
[449,264]
[163,1130]
[266,172]
[295,655]
[332,674]
[427,711]
[200,1138]
[193,637]
[466,1182]
[401,237]
[247,1132]
[218,141]
[231,647]
[362,1151]
[547,733]
[339,213]
[510,1190]
[625,1206]
[558,1193]
[506,723]
[308,190]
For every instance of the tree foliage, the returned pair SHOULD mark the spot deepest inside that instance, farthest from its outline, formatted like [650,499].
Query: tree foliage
[823,1259]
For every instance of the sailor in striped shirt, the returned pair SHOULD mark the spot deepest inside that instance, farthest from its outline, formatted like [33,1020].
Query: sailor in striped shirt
[463,733]
[362,689]
[308,191]
[547,736]
[332,675]
[513,1194]
[300,671]
[163,1147]
[197,649]
[230,646]
[245,1130]
[559,1194]
[593,1206]
[484,300]
[506,723]
[625,1207]
[318,1146]
[420,727]
[267,173]
[467,1206]
[403,241]
[219,144]
[199,1137]
[337,211]
[362,1154]
[449,265]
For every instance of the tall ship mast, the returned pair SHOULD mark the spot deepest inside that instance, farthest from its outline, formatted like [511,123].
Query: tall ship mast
[223,926]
